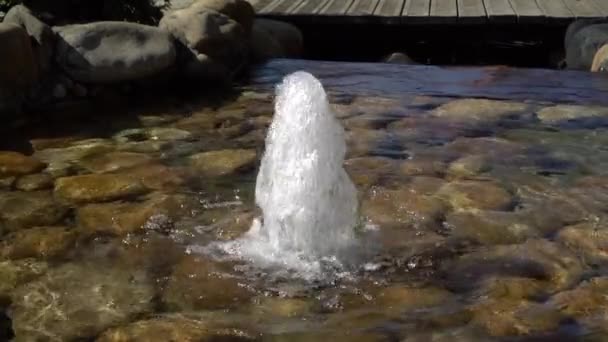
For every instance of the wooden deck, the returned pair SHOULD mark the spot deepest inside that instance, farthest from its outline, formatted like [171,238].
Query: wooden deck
[435,11]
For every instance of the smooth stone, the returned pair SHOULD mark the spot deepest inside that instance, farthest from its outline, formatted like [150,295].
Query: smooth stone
[14,273]
[113,161]
[469,166]
[199,284]
[399,298]
[239,10]
[38,181]
[515,317]
[281,307]
[122,218]
[17,164]
[368,171]
[153,134]
[7,183]
[61,160]
[505,287]
[489,227]
[562,114]
[110,52]
[38,242]
[146,146]
[224,162]
[402,208]
[398,58]
[549,263]
[423,166]
[588,239]
[586,301]
[158,176]
[600,61]
[20,210]
[229,224]
[78,301]
[179,327]
[476,195]
[287,36]
[98,188]
[583,44]
[493,148]
[479,110]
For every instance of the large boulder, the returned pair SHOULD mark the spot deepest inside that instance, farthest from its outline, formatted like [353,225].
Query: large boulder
[215,46]
[584,44]
[18,68]
[600,61]
[42,35]
[240,11]
[109,52]
[275,39]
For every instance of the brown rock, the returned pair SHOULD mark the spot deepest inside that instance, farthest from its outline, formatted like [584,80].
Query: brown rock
[38,181]
[478,110]
[588,239]
[476,195]
[38,242]
[223,162]
[17,164]
[14,273]
[98,188]
[28,209]
[113,161]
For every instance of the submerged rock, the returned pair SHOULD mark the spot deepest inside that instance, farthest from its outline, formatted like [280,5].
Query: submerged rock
[198,284]
[38,181]
[15,273]
[28,209]
[38,242]
[78,301]
[565,114]
[122,218]
[98,188]
[224,162]
[469,166]
[61,160]
[423,166]
[479,110]
[113,161]
[179,327]
[588,239]
[17,164]
[476,195]
[106,52]
[588,302]
[398,298]
[368,171]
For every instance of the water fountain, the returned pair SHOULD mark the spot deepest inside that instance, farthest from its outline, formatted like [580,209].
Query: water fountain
[308,201]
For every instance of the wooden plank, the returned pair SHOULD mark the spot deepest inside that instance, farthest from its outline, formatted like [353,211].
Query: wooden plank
[472,11]
[308,7]
[527,11]
[336,7]
[602,5]
[362,8]
[500,11]
[389,8]
[416,11]
[444,9]
[583,8]
[555,9]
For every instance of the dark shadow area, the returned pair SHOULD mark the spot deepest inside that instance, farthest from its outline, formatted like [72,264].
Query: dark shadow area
[6,329]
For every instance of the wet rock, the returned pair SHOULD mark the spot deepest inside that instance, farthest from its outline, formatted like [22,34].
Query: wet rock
[20,210]
[583,44]
[402,207]
[514,318]
[264,46]
[232,224]
[224,162]
[146,146]
[122,218]
[43,37]
[38,242]
[492,148]
[178,327]
[15,273]
[38,181]
[153,134]
[586,302]
[398,58]
[96,53]
[61,160]
[98,188]
[510,288]
[238,10]
[489,227]
[281,307]
[157,176]
[368,171]
[7,183]
[469,166]
[78,301]
[17,164]
[565,114]
[113,161]
[476,195]
[600,61]
[198,284]
[400,298]
[479,110]
[547,262]
[423,166]
[588,239]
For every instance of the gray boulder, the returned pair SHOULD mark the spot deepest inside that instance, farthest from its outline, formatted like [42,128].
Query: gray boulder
[264,46]
[110,52]
[215,46]
[584,44]
[240,11]
[600,61]
[287,35]
[577,25]
[18,68]
[41,33]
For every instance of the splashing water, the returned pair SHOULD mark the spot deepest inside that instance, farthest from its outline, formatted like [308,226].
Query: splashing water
[309,203]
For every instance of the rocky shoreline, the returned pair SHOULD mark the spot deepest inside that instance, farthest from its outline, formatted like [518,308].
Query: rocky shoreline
[206,44]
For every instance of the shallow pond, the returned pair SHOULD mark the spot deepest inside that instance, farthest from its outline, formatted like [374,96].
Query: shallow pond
[489,218]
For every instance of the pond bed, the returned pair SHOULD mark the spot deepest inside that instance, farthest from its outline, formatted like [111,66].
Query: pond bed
[487,188]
